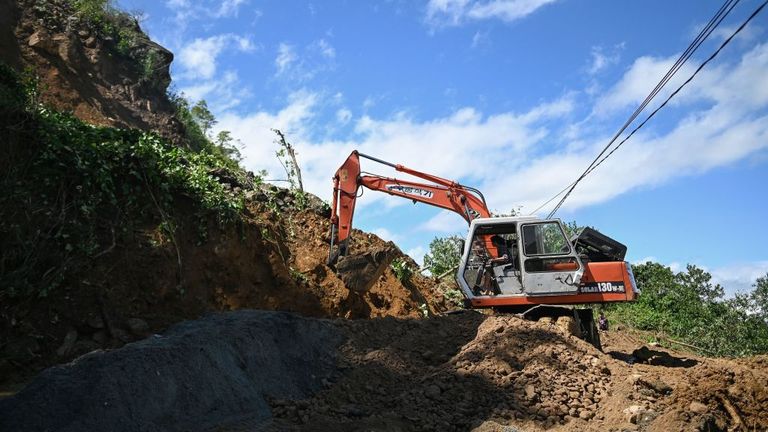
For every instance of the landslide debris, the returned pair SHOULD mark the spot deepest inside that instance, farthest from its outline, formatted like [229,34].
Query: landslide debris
[244,371]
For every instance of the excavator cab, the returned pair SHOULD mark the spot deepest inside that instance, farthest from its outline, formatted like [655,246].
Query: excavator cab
[514,256]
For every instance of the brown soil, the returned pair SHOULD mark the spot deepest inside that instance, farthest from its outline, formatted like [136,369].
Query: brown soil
[246,371]
[271,261]
[500,373]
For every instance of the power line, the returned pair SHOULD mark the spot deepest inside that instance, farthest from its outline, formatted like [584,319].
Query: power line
[713,23]
[744,24]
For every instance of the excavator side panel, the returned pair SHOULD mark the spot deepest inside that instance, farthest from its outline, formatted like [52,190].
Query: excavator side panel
[613,277]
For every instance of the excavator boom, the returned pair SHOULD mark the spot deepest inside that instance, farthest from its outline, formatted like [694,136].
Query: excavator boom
[468,202]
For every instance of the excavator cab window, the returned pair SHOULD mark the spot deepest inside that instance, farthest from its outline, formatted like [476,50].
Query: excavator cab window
[545,239]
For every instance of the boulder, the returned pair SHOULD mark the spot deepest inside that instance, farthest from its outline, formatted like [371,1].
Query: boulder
[360,272]
[697,408]
[69,342]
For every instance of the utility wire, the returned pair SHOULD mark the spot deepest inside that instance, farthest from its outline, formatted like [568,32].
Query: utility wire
[744,24]
[713,23]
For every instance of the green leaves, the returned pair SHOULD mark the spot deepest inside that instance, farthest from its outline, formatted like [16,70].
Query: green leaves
[444,254]
[687,306]
[77,185]
[402,270]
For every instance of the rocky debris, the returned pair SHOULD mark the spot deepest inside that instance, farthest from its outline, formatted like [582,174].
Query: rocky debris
[360,272]
[41,40]
[640,415]
[69,343]
[697,408]
[84,73]
[137,326]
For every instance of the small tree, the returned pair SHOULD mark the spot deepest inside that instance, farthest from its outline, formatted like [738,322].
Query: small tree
[203,116]
[224,141]
[444,254]
[287,157]
[760,296]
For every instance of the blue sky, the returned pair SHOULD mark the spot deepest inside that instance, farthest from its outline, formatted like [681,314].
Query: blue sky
[513,96]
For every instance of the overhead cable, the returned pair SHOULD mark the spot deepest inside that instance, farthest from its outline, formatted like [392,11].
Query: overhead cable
[713,23]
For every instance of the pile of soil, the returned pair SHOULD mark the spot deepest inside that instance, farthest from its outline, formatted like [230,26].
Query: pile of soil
[461,371]
[210,372]
[308,240]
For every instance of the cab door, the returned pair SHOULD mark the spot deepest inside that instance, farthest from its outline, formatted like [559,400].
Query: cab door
[550,266]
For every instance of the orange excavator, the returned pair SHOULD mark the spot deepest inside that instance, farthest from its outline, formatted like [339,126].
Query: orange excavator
[523,265]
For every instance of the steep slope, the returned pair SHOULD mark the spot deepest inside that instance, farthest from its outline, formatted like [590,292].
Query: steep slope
[108,235]
[106,73]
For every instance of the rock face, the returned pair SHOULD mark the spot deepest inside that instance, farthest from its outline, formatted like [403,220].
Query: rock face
[360,272]
[100,80]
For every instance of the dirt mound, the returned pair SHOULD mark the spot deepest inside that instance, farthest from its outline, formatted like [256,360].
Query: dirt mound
[307,240]
[216,371]
[454,373]
[498,373]
[463,371]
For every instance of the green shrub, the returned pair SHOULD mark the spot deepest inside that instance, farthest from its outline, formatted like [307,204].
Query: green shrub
[689,307]
[402,270]
[79,187]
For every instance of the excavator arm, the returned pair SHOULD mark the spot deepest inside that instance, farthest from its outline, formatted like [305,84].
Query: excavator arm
[468,202]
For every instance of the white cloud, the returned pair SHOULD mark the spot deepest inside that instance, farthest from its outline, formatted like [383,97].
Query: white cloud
[324,48]
[198,58]
[229,8]
[739,277]
[523,158]
[387,235]
[455,12]
[259,149]
[480,39]
[221,92]
[602,58]
[186,12]
[286,55]
[176,4]
[299,65]
[343,116]
[445,222]
[417,254]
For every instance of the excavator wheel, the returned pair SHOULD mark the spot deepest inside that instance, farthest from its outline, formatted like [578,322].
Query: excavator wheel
[579,322]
